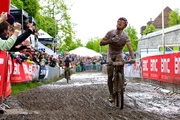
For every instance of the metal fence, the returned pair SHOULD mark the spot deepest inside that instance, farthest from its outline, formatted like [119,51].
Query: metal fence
[89,67]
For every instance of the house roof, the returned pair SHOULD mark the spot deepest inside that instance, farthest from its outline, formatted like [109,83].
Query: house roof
[158,20]
[157,23]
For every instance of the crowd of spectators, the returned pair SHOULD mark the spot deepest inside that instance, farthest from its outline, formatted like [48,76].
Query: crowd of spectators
[42,58]
[80,63]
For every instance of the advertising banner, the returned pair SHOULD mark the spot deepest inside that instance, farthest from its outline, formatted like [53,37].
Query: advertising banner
[5,6]
[21,72]
[3,62]
[127,69]
[145,67]
[165,68]
[136,69]
[176,69]
[7,85]
[133,70]
[43,72]
[154,67]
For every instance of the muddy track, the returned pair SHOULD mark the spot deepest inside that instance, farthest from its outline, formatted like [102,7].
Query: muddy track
[85,98]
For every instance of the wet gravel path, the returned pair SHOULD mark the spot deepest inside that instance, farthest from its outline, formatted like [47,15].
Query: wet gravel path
[85,98]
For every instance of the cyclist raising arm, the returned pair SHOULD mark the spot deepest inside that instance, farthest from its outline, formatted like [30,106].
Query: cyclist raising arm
[116,39]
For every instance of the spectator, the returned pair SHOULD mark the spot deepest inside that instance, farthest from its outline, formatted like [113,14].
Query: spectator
[7,44]
[52,62]
[22,42]
[6,30]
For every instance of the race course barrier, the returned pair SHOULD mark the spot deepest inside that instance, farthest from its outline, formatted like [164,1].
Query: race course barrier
[13,72]
[163,70]
[21,72]
[3,73]
[133,70]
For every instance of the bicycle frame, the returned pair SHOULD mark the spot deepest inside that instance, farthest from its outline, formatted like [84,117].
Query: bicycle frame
[118,88]
[67,74]
[118,83]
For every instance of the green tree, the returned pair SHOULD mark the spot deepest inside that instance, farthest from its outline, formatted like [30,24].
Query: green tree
[131,31]
[149,28]
[31,7]
[60,9]
[93,44]
[174,18]
[75,44]
[47,24]
[17,3]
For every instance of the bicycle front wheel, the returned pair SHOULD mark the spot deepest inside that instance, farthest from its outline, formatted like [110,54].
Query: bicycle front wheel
[67,76]
[120,91]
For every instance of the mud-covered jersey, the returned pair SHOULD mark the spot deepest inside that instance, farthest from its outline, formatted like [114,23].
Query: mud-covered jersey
[67,63]
[116,48]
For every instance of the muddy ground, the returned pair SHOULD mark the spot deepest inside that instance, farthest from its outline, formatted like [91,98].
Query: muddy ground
[85,98]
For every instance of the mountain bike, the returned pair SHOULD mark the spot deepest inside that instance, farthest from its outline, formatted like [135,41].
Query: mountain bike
[118,83]
[67,74]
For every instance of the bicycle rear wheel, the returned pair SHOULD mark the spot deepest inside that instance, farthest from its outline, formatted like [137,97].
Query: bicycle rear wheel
[121,91]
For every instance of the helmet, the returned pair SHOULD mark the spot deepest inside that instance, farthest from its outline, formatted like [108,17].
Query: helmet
[123,18]
[67,56]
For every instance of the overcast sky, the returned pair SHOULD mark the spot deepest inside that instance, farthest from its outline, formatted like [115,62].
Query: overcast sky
[95,17]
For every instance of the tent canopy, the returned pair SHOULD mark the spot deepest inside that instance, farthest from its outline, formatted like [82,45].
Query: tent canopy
[43,34]
[44,37]
[85,52]
[47,50]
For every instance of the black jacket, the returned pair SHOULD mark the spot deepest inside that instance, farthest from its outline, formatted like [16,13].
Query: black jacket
[19,40]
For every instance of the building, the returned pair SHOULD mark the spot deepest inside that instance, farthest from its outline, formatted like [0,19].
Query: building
[157,23]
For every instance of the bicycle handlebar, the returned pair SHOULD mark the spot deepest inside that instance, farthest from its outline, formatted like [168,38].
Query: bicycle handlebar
[119,63]
[67,68]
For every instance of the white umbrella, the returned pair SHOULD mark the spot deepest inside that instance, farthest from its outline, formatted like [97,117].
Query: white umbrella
[85,52]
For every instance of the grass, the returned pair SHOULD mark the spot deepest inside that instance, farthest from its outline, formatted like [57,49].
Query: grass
[20,87]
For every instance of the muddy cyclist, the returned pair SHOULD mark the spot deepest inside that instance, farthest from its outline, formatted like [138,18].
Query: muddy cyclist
[116,39]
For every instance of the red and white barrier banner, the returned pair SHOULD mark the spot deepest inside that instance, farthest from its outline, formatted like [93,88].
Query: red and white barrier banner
[21,72]
[3,72]
[7,85]
[164,68]
[177,68]
[145,67]
[5,6]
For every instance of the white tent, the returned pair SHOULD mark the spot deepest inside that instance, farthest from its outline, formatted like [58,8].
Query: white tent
[43,34]
[85,52]
[47,50]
